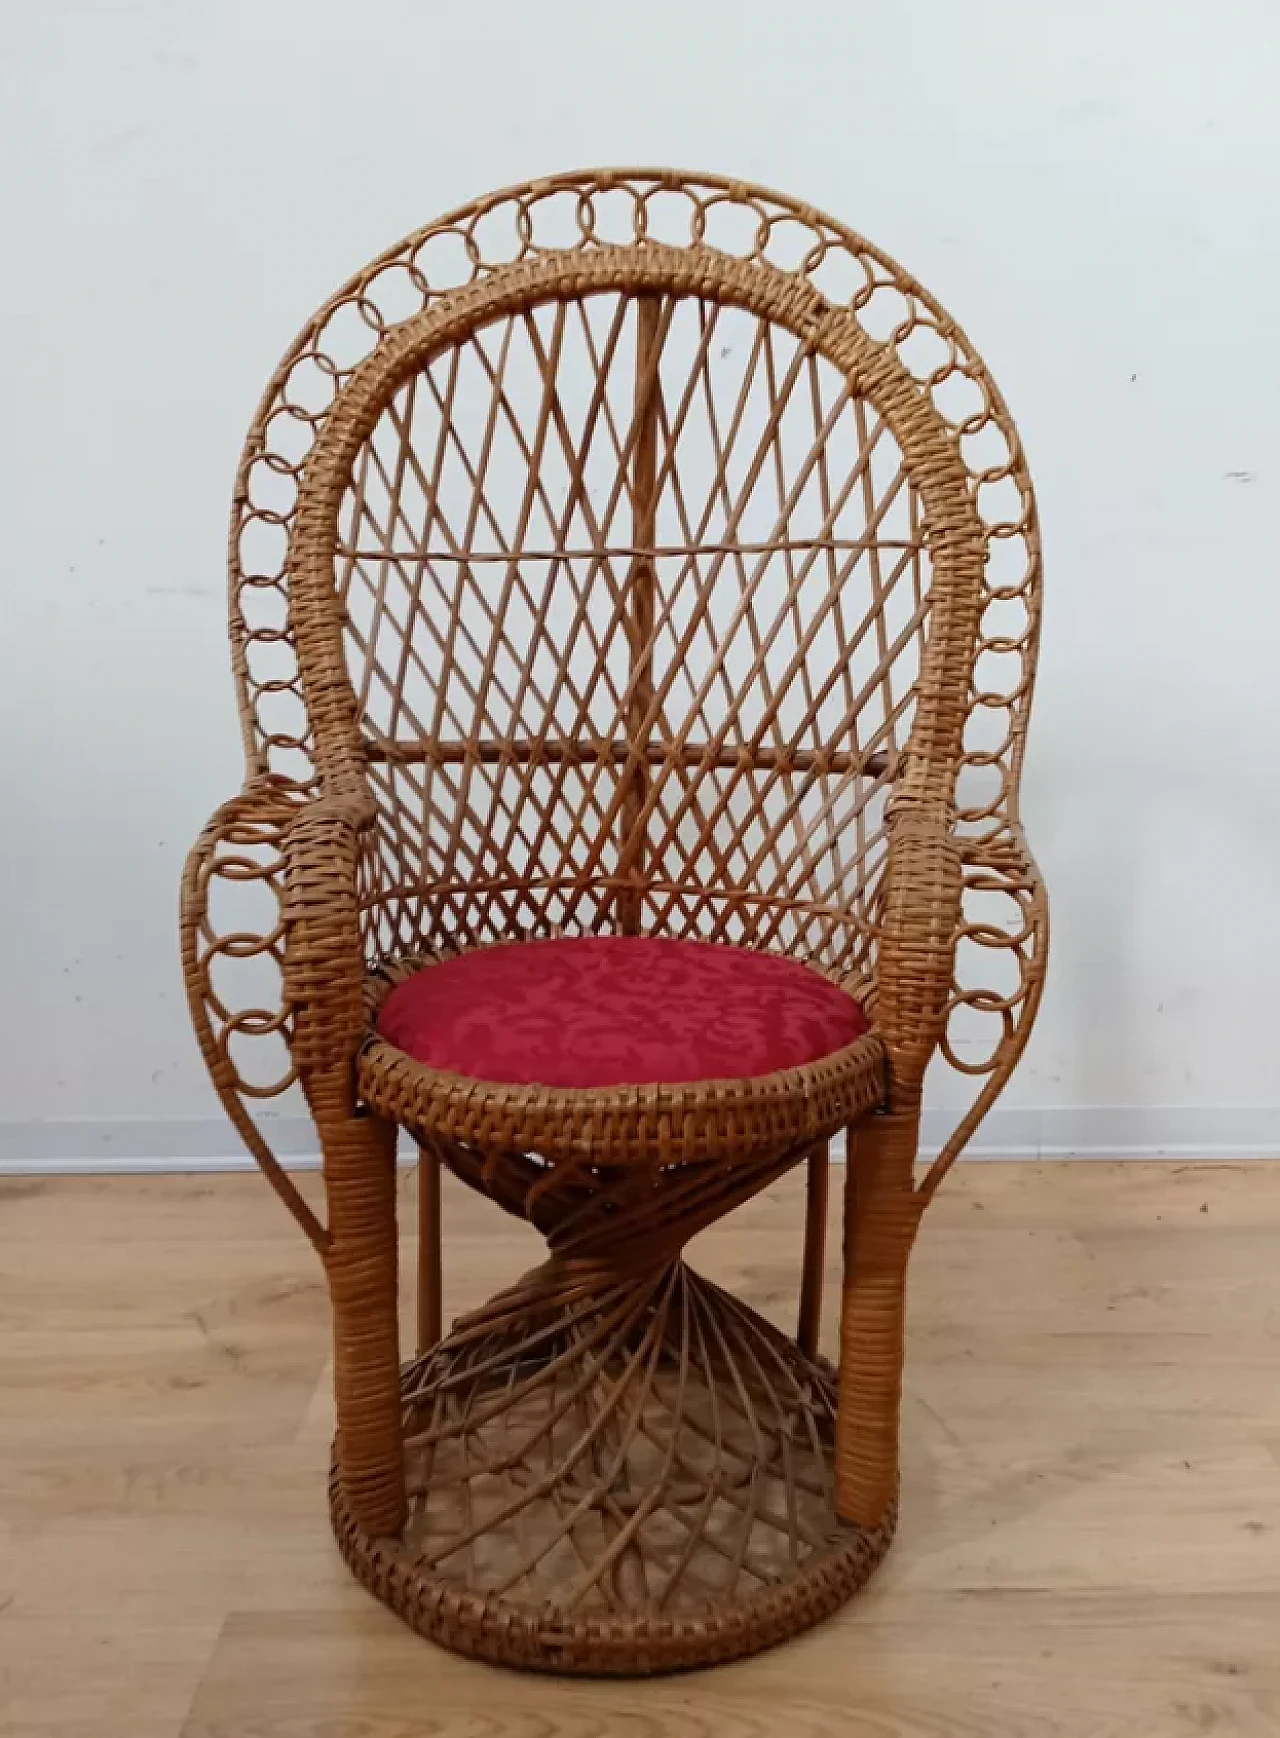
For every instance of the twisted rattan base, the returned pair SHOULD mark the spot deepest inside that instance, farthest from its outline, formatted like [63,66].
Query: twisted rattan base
[615,1476]
[643,553]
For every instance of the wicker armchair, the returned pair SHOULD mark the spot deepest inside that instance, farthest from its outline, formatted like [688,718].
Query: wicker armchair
[634,607]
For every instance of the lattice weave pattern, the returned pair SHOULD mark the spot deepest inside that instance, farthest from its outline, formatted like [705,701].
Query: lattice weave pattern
[628,553]
[712,420]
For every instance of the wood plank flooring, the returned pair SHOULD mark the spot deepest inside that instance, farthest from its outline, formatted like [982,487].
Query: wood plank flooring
[1090,1545]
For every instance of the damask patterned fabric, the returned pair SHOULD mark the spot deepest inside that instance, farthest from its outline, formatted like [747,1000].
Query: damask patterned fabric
[618,1010]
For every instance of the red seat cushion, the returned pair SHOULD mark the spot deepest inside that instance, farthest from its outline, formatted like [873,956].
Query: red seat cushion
[617,1010]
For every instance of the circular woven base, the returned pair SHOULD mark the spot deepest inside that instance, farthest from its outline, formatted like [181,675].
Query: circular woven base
[615,1475]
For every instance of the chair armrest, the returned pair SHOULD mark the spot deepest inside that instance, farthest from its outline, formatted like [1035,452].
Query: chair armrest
[917,935]
[929,872]
[1002,864]
[303,851]
[324,956]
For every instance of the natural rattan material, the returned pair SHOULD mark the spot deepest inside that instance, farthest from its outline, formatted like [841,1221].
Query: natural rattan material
[646,554]
[752,1550]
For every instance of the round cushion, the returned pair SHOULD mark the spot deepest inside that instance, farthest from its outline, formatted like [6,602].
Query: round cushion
[617,1010]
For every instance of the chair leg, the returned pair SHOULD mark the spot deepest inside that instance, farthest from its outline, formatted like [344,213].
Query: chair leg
[815,1250]
[882,1213]
[430,1315]
[360,1183]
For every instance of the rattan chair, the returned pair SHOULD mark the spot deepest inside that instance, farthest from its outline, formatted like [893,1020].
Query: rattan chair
[634,605]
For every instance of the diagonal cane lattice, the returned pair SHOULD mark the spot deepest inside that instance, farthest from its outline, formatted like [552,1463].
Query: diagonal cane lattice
[487,555]
[1001,942]
[580,584]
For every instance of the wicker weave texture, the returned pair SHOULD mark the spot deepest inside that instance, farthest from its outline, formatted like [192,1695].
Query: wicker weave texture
[643,553]
[1002,944]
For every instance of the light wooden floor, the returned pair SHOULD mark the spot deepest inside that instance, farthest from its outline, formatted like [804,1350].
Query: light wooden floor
[1090,1545]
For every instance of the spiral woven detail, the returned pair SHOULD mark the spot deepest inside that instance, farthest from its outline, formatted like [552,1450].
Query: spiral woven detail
[631,1474]
[646,554]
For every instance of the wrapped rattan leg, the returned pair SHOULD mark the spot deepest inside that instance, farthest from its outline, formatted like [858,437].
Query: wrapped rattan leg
[360,1182]
[882,1212]
[815,1250]
[429,1299]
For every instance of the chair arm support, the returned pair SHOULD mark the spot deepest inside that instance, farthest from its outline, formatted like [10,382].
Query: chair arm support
[1002,864]
[304,851]
[917,932]
[323,958]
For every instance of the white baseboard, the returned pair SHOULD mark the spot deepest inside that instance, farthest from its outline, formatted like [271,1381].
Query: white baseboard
[1117,1131]
[197,1144]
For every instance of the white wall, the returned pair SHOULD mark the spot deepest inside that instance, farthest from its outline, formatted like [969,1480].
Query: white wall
[1092,189]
